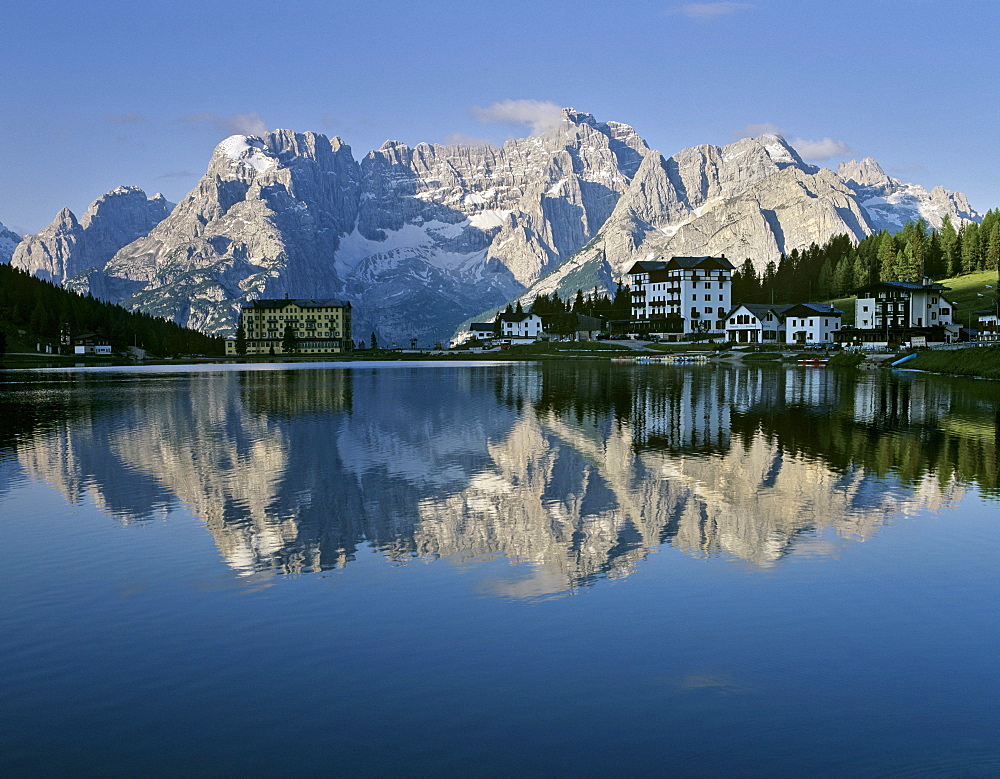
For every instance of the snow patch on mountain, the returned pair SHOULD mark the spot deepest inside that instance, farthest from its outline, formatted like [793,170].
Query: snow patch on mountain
[249,151]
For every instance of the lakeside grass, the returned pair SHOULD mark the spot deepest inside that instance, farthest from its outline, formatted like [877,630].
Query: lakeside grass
[980,361]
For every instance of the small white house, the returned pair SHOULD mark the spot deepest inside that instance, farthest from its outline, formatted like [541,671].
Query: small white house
[89,343]
[749,323]
[521,327]
[483,331]
[811,323]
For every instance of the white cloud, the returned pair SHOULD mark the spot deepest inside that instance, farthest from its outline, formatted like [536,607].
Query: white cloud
[825,149]
[234,124]
[540,115]
[709,11]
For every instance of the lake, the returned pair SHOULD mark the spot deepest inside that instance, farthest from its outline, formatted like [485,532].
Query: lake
[563,568]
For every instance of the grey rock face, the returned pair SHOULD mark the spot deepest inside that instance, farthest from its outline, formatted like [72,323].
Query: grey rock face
[67,246]
[8,242]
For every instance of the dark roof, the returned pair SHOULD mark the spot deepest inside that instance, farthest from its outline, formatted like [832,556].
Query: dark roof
[813,309]
[760,310]
[687,263]
[278,303]
[905,286]
[785,310]
[481,326]
[699,262]
[514,317]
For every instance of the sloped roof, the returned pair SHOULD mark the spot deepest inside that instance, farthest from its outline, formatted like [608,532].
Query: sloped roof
[905,286]
[700,262]
[685,263]
[278,303]
[760,310]
[813,309]
[515,317]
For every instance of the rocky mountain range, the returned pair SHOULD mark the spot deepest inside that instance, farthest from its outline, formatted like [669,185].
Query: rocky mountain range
[421,239]
[68,246]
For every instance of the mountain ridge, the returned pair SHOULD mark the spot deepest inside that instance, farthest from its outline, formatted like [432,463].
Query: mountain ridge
[423,238]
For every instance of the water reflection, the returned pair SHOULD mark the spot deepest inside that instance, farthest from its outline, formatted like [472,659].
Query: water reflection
[578,470]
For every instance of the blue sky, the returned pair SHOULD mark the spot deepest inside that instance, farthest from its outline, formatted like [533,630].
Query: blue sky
[98,94]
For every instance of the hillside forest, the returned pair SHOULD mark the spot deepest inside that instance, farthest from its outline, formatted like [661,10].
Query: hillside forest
[33,311]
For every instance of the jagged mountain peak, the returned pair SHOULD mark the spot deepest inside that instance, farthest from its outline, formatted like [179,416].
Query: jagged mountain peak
[64,218]
[866,173]
[573,116]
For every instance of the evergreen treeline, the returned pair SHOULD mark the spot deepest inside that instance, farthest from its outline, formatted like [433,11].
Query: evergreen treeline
[838,268]
[44,312]
[596,304]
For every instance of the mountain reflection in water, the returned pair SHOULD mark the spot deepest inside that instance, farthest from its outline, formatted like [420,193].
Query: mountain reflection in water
[579,470]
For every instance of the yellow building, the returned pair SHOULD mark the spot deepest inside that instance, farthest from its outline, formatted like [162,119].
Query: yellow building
[317,327]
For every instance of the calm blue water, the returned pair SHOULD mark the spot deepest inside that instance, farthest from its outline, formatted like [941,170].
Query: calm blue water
[566,569]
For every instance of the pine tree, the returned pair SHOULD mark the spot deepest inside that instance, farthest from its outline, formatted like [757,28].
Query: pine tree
[374,340]
[746,285]
[906,264]
[843,275]
[934,257]
[886,257]
[621,307]
[916,235]
[519,309]
[241,340]
[862,273]
[971,256]
[990,231]
[768,283]
[824,281]
[950,247]
[289,343]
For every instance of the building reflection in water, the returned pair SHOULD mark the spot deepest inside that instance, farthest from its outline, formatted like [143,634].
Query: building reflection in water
[577,471]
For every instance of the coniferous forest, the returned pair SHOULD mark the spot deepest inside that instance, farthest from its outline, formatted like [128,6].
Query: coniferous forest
[839,267]
[33,311]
